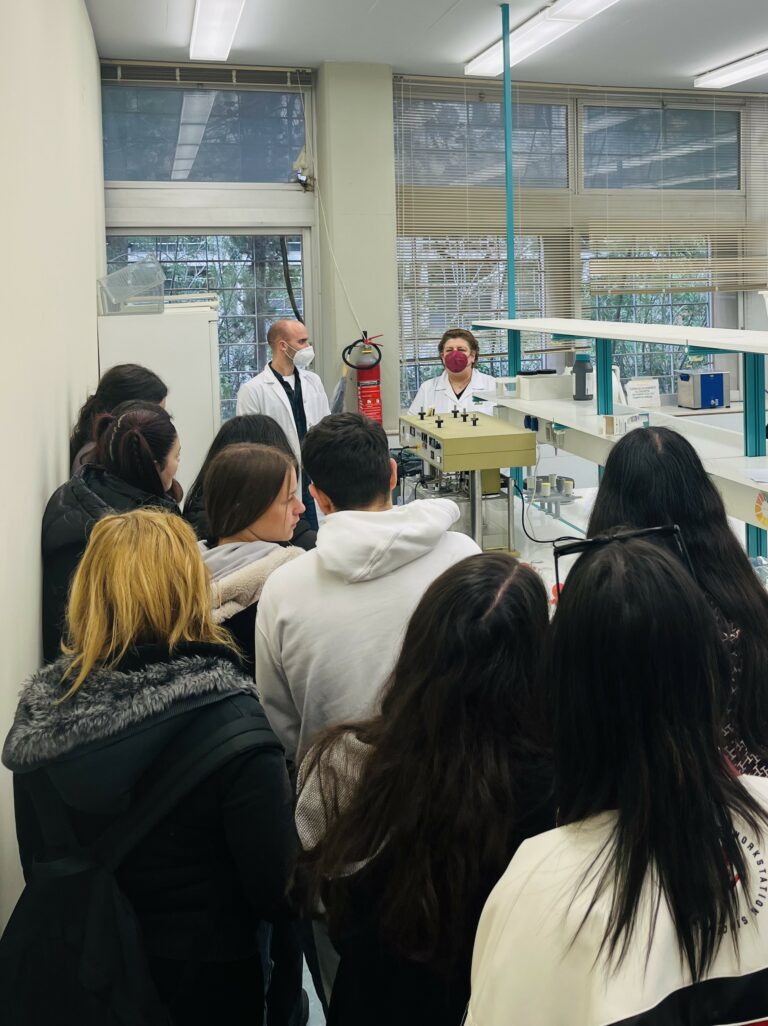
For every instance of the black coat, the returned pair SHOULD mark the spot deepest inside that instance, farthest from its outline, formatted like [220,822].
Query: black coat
[379,987]
[194,511]
[206,877]
[71,512]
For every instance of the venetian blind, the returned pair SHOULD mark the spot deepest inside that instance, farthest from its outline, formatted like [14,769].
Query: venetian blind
[622,192]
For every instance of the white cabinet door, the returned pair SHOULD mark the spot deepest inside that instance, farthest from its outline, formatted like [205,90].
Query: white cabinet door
[181,346]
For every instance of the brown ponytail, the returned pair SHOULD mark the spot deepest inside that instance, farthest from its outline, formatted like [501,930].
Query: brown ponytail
[133,443]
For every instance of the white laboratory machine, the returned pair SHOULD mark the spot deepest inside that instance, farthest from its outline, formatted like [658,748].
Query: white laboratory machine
[180,345]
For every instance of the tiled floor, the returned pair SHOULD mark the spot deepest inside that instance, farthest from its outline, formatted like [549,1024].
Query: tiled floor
[316,1017]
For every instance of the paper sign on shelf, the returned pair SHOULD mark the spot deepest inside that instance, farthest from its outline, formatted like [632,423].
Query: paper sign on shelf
[643,392]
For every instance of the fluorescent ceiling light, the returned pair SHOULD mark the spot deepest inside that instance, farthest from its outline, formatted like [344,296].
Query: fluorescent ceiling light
[738,71]
[536,33]
[195,111]
[213,29]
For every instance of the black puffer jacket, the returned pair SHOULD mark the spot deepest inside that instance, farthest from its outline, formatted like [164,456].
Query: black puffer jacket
[71,512]
[204,878]
[304,536]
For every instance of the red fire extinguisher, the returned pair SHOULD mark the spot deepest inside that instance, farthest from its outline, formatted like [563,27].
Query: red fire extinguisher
[364,357]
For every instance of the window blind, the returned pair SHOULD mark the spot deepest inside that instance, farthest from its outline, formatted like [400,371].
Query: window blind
[617,193]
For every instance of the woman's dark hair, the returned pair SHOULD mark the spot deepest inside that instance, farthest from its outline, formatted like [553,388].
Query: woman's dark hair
[440,790]
[251,427]
[120,384]
[134,441]
[241,483]
[465,336]
[634,667]
[654,476]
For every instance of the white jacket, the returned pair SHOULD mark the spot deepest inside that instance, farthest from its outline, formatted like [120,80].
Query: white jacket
[528,970]
[329,626]
[265,394]
[438,394]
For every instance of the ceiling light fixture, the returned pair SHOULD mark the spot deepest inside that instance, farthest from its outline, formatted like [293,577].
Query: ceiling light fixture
[737,71]
[536,33]
[213,29]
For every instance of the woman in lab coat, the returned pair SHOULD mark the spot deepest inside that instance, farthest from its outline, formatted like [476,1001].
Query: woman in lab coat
[457,385]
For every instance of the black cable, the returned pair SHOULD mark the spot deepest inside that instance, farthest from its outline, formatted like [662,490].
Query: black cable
[528,535]
[287,277]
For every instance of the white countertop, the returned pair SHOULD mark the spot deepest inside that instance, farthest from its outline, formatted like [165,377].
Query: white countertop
[736,340]
[720,449]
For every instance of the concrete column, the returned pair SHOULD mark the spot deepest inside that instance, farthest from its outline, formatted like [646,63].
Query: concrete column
[356,180]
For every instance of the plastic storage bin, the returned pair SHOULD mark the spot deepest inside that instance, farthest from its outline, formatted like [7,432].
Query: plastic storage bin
[138,287]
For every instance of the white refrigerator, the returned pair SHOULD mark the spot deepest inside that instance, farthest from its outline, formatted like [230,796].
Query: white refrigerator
[181,345]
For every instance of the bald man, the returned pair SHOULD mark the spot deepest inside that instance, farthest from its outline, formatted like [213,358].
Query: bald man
[289,392]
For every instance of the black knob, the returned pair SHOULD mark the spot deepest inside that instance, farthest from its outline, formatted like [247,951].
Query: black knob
[455,411]
[464,416]
[439,422]
[422,414]
[474,420]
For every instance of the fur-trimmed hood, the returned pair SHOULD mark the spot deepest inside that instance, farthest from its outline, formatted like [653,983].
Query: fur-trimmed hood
[101,739]
[233,592]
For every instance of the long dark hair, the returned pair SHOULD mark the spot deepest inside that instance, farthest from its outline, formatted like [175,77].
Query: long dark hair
[132,441]
[440,789]
[634,668]
[250,427]
[119,384]
[241,483]
[654,476]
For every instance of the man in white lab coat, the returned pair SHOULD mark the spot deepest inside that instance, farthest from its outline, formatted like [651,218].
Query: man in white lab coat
[288,392]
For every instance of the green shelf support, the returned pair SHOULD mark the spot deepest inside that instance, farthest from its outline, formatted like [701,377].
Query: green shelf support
[753,366]
[604,375]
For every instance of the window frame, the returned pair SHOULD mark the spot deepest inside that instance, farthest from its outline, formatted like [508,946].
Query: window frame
[655,103]
[309,128]
[308,256]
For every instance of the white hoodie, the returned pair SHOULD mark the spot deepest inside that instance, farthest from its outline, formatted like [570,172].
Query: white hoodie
[329,626]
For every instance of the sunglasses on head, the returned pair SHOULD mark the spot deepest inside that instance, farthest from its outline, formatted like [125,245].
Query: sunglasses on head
[574,546]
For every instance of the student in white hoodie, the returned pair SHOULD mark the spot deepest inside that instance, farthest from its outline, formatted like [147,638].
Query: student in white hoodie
[329,625]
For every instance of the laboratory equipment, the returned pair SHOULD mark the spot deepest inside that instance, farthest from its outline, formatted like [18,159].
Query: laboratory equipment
[457,441]
[181,346]
[703,389]
[544,386]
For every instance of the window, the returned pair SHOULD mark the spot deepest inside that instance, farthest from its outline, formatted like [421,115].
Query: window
[162,133]
[249,274]
[449,283]
[660,148]
[461,142]
[644,303]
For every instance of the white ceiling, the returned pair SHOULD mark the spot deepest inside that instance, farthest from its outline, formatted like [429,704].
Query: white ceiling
[635,43]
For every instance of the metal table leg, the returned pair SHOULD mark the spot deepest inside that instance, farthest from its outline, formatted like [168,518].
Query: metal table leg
[511,539]
[476,505]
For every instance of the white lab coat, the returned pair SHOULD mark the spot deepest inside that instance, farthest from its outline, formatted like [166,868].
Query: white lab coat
[438,394]
[265,394]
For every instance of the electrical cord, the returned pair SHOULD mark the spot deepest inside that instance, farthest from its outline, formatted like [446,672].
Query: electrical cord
[311,157]
[526,532]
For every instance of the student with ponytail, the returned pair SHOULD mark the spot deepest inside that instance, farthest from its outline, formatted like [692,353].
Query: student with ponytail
[137,455]
[126,382]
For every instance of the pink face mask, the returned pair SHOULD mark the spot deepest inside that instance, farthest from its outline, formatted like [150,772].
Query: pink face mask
[456,361]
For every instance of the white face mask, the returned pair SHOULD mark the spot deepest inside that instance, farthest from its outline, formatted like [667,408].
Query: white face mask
[302,358]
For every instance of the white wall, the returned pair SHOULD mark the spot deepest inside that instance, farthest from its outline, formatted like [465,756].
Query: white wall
[356,175]
[52,201]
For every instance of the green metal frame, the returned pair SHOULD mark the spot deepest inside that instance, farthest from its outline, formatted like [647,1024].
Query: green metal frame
[753,371]
[604,375]
[514,346]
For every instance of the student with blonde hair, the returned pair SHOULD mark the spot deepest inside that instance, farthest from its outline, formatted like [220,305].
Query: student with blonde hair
[146,682]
